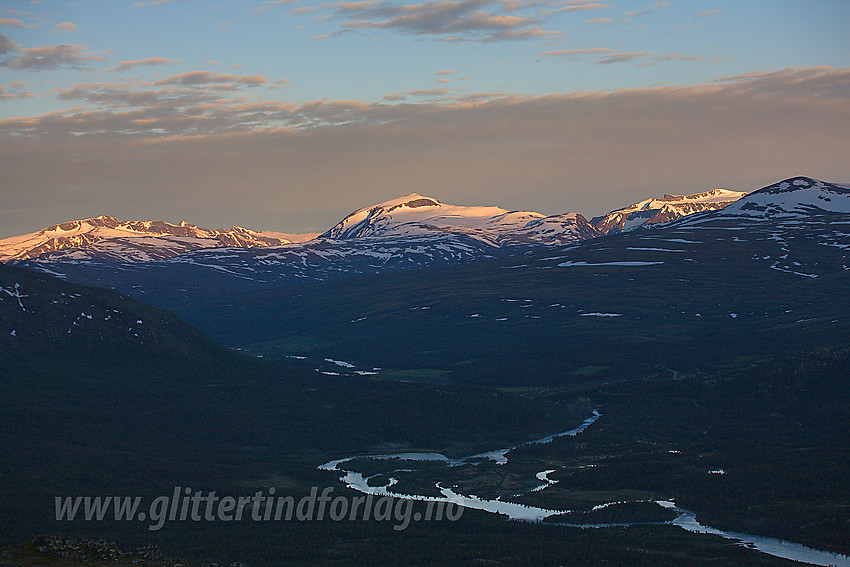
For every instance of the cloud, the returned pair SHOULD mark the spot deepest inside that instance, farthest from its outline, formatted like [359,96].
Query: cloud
[444,96]
[622,56]
[444,72]
[600,21]
[124,95]
[456,20]
[823,82]
[576,52]
[193,103]
[209,78]
[124,65]
[12,23]
[184,104]
[179,97]
[47,57]
[710,13]
[580,7]
[14,91]
[65,27]
[604,55]
[7,45]
[677,57]
[647,11]
[428,92]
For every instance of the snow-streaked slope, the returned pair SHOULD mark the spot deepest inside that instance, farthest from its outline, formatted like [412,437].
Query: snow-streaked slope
[416,215]
[106,237]
[209,272]
[793,197]
[667,208]
[558,229]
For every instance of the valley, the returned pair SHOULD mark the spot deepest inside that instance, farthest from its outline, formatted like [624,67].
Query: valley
[697,369]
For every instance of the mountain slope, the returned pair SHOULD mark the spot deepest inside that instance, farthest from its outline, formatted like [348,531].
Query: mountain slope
[212,272]
[667,208]
[40,316]
[107,238]
[103,395]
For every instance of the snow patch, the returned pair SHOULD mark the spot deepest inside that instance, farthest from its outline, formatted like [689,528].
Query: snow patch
[571,263]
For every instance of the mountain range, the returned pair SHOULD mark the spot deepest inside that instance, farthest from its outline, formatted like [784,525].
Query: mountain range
[169,264]
[105,238]
[183,260]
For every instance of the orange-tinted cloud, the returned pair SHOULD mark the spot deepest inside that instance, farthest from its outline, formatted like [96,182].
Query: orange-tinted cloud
[124,65]
[11,22]
[65,27]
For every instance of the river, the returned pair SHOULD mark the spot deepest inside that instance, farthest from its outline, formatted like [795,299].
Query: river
[515,511]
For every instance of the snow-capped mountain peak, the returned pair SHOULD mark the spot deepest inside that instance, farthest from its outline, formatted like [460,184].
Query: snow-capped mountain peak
[412,211]
[105,236]
[792,197]
[417,215]
[669,207]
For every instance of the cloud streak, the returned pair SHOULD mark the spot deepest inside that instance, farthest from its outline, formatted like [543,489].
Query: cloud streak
[604,55]
[45,57]
[125,65]
[14,91]
[209,78]
[454,20]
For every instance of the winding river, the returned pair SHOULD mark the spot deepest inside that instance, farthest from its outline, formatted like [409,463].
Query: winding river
[685,519]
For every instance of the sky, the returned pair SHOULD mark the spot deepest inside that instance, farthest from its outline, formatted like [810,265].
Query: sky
[286,115]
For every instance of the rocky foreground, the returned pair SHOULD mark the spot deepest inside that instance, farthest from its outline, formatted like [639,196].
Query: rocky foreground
[62,551]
